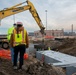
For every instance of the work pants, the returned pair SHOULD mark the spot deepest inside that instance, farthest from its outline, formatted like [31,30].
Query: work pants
[21,50]
[12,54]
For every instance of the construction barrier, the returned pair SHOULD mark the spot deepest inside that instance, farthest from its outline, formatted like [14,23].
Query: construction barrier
[6,54]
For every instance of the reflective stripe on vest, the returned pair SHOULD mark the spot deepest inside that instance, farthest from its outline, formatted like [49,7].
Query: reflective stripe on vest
[19,40]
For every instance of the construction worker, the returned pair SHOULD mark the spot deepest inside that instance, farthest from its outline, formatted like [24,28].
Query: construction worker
[19,41]
[10,31]
[49,48]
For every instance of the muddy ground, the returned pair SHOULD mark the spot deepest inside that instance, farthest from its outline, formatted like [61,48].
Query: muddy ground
[68,46]
[31,66]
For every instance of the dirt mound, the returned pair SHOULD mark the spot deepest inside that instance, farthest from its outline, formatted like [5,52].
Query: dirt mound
[68,46]
[31,67]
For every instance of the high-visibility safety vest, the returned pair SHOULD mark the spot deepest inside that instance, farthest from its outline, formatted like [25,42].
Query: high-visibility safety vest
[19,38]
[10,31]
[49,48]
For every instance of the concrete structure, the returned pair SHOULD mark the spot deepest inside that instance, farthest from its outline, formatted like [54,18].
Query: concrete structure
[31,35]
[55,33]
[58,59]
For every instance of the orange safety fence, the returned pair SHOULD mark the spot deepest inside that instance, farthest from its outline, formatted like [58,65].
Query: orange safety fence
[49,37]
[6,54]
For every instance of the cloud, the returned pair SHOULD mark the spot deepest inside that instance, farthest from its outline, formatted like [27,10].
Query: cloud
[60,14]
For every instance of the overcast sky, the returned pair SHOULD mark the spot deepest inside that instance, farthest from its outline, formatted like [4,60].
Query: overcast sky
[61,14]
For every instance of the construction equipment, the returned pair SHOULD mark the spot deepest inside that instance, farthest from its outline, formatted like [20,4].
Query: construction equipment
[4,42]
[19,8]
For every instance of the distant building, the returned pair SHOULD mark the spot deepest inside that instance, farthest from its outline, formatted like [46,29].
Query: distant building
[55,33]
[69,34]
[66,33]
[31,35]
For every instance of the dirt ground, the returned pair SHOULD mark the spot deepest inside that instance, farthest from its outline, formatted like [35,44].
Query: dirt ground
[68,46]
[32,66]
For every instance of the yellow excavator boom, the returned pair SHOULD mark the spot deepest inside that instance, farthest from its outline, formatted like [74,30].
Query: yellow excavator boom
[19,8]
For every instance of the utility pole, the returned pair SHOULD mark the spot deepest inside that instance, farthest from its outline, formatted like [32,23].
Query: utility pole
[62,34]
[46,19]
[14,18]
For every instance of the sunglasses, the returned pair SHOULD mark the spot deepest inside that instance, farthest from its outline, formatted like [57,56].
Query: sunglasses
[19,25]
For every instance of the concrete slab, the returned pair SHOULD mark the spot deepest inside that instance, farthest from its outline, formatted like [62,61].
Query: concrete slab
[58,59]
[61,59]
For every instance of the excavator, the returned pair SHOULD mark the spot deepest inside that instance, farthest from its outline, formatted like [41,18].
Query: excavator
[20,8]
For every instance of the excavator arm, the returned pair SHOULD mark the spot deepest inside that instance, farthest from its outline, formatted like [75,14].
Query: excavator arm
[19,8]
